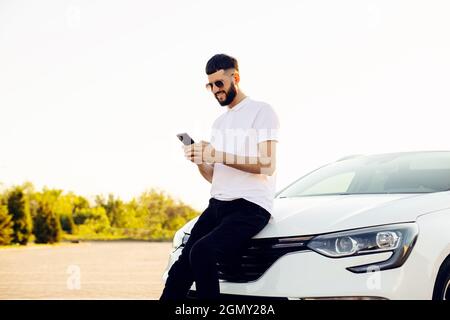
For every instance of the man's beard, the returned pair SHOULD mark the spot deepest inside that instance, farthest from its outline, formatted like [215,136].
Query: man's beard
[229,96]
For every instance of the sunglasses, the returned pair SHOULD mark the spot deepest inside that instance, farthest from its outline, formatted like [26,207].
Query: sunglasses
[219,84]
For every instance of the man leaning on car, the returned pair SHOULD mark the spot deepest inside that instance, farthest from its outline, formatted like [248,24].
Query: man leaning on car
[240,164]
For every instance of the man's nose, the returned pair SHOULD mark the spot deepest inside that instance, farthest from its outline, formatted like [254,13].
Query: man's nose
[216,89]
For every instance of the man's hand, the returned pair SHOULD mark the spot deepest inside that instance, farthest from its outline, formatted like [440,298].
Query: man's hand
[200,152]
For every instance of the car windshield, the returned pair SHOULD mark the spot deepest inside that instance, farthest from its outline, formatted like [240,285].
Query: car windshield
[379,174]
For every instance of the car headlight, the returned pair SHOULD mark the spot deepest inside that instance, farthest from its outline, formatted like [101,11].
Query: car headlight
[397,238]
[179,240]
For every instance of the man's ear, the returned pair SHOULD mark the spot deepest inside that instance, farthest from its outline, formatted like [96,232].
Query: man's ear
[237,77]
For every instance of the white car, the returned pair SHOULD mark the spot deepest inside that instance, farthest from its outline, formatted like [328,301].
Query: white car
[364,227]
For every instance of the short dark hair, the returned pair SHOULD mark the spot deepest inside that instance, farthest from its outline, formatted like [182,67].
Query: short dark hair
[219,62]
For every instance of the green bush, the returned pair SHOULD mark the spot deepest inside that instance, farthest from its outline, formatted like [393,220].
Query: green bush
[19,209]
[52,214]
[6,226]
[67,223]
[91,220]
[47,227]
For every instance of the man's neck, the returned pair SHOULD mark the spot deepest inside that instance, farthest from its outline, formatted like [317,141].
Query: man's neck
[239,97]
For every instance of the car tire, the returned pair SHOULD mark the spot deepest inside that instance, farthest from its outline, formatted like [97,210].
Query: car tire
[442,286]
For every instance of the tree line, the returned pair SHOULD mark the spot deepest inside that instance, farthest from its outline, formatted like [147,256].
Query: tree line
[51,215]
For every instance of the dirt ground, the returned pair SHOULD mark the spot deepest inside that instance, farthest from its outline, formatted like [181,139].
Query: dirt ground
[92,270]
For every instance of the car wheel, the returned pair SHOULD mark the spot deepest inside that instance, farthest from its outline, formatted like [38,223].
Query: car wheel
[442,286]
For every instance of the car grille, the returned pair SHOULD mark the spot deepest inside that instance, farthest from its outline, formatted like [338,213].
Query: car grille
[258,256]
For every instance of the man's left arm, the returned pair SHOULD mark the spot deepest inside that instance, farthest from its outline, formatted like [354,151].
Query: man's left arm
[264,163]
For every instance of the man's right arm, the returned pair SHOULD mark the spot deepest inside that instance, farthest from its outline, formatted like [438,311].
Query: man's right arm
[206,170]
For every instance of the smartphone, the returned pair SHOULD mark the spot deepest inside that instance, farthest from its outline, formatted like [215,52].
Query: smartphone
[185,138]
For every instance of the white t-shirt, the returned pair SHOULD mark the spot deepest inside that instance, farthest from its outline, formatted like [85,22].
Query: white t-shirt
[238,131]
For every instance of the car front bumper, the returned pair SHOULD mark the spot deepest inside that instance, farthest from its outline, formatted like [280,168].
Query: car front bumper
[309,275]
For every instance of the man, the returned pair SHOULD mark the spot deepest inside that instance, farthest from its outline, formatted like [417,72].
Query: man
[240,163]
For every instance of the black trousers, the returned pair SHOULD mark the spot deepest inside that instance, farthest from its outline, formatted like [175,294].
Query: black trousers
[221,231]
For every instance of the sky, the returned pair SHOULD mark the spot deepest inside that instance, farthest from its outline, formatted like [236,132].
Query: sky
[92,93]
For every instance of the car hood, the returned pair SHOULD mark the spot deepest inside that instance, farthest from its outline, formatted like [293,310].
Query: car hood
[322,214]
